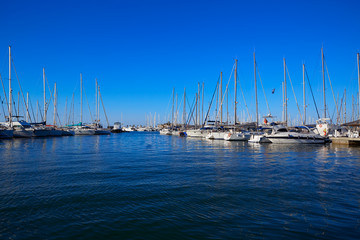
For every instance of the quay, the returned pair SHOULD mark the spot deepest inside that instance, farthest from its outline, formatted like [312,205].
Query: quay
[345,141]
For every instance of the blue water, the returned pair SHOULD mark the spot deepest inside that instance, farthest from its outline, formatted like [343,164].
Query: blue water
[148,186]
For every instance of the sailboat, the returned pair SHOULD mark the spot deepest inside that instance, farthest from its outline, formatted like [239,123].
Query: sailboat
[257,137]
[20,128]
[99,130]
[82,129]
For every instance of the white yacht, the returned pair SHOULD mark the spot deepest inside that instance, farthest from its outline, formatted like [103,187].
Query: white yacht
[302,135]
[237,136]
[258,138]
[216,135]
[117,128]
[166,131]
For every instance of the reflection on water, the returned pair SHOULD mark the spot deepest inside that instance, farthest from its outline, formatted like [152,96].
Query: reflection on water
[148,186]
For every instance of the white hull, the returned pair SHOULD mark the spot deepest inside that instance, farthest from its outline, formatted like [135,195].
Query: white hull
[197,133]
[216,136]
[165,132]
[237,136]
[295,138]
[84,132]
[258,138]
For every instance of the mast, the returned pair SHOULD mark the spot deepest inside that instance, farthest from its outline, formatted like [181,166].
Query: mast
[44,95]
[221,109]
[256,100]
[172,112]
[96,100]
[304,94]
[27,106]
[202,105]
[283,100]
[81,100]
[37,110]
[66,100]
[285,95]
[55,101]
[227,107]
[10,90]
[235,90]
[18,108]
[358,60]
[184,110]
[323,77]
[345,105]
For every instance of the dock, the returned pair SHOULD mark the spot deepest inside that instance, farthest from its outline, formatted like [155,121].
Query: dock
[345,141]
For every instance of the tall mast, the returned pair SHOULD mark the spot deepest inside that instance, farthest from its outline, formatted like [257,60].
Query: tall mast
[55,101]
[256,100]
[235,90]
[323,77]
[283,100]
[27,106]
[37,110]
[172,112]
[96,102]
[304,94]
[44,95]
[81,100]
[285,95]
[221,109]
[227,107]
[345,105]
[358,60]
[202,105]
[184,110]
[66,100]
[10,90]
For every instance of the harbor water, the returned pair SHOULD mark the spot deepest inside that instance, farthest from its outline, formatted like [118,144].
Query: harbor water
[150,186]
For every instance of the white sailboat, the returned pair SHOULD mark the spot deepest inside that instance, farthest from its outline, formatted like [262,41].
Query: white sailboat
[81,129]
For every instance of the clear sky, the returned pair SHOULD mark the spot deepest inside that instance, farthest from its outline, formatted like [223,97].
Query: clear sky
[140,50]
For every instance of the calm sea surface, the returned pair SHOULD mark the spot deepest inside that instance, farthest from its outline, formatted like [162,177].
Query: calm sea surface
[148,186]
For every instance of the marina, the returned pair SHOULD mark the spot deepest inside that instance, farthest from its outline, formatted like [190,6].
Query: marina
[179,120]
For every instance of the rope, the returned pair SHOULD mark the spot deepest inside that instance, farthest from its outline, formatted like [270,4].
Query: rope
[267,103]
[104,108]
[27,107]
[336,105]
[7,103]
[287,70]
[312,94]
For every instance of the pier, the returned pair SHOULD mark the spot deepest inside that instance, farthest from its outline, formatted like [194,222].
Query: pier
[345,141]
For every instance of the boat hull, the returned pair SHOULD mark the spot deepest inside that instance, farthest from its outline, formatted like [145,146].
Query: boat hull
[237,137]
[216,136]
[84,132]
[197,133]
[23,133]
[102,132]
[6,133]
[296,139]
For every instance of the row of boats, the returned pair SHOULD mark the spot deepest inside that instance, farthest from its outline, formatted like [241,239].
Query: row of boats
[23,129]
[271,133]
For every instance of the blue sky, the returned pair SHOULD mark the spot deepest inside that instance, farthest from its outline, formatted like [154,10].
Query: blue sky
[140,50]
